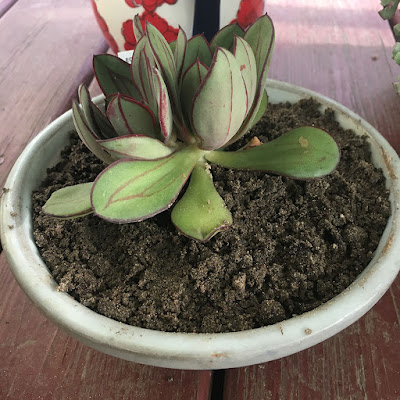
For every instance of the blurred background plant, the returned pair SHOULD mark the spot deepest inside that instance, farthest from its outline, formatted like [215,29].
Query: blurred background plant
[390,12]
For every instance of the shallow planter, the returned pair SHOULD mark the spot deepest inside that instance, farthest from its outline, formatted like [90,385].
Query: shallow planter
[192,351]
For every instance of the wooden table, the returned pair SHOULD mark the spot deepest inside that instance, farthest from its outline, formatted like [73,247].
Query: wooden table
[340,48]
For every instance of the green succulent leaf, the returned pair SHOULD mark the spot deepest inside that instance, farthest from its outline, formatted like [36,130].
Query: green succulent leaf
[164,60]
[129,117]
[137,28]
[261,110]
[260,36]
[197,48]
[180,51]
[70,202]
[225,37]
[301,153]
[136,147]
[228,108]
[249,123]
[95,119]
[142,66]
[88,137]
[247,63]
[201,212]
[114,76]
[165,116]
[143,188]
[191,82]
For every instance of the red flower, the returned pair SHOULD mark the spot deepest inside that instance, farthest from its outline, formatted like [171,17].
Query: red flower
[161,24]
[103,26]
[249,11]
[148,5]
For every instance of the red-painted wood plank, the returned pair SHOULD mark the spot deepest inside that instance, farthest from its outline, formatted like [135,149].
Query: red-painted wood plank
[45,52]
[342,49]
[37,361]
[5,5]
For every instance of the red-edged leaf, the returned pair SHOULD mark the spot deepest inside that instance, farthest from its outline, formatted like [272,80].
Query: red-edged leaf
[114,76]
[197,48]
[141,68]
[191,82]
[225,37]
[165,116]
[137,147]
[129,117]
[218,114]
[87,135]
[143,188]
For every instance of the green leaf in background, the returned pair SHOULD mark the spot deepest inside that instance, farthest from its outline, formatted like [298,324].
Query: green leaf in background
[114,76]
[130,190]
[70,202]
[218,114]
[225,37]
[301,153]
[137,28]
[390,7]
[165,116]
[95,119]
[136,147]
[180,52]
[197,47]
[191,81]
[129,117]
[201,212]
[87,135]
[142,72]
[247,63]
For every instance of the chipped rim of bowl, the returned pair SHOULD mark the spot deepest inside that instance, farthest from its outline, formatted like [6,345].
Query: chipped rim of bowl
[191,350]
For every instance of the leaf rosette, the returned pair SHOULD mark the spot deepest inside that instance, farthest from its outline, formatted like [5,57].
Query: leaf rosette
[168,115]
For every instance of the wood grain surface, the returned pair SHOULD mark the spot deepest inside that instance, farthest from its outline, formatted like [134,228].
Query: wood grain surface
[341,49]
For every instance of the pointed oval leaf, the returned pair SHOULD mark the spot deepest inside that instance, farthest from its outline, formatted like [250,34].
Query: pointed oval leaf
[191,82]
[137,28]
[179,52]
[197,47]
[87,135]
[165,116]
[136,147]
[250,122]
[143,188]
[129,117]
[201,213]
[70,202]
[218,114]
[247,63]
[95,119]
[114,76]
[141,68]
[301,153]
[260,36]
[164,60]
[225,37]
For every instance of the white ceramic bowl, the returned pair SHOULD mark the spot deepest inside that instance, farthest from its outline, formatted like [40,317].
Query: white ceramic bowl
[192,351]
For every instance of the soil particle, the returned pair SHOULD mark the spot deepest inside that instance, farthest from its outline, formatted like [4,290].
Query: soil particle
[293,245]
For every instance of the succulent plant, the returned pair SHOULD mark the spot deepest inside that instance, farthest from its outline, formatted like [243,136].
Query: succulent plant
[171,113]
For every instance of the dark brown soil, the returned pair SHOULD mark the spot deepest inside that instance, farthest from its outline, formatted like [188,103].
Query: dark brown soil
[293,245]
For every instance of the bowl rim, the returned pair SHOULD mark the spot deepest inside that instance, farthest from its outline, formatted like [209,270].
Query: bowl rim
[197,350]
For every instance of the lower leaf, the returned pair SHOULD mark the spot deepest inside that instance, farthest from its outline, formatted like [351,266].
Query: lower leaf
[301,153]
[133,190]
[70,202]
[201,212]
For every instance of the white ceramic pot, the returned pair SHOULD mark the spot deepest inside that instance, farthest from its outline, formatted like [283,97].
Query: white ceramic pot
[192,351]
[115,17]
